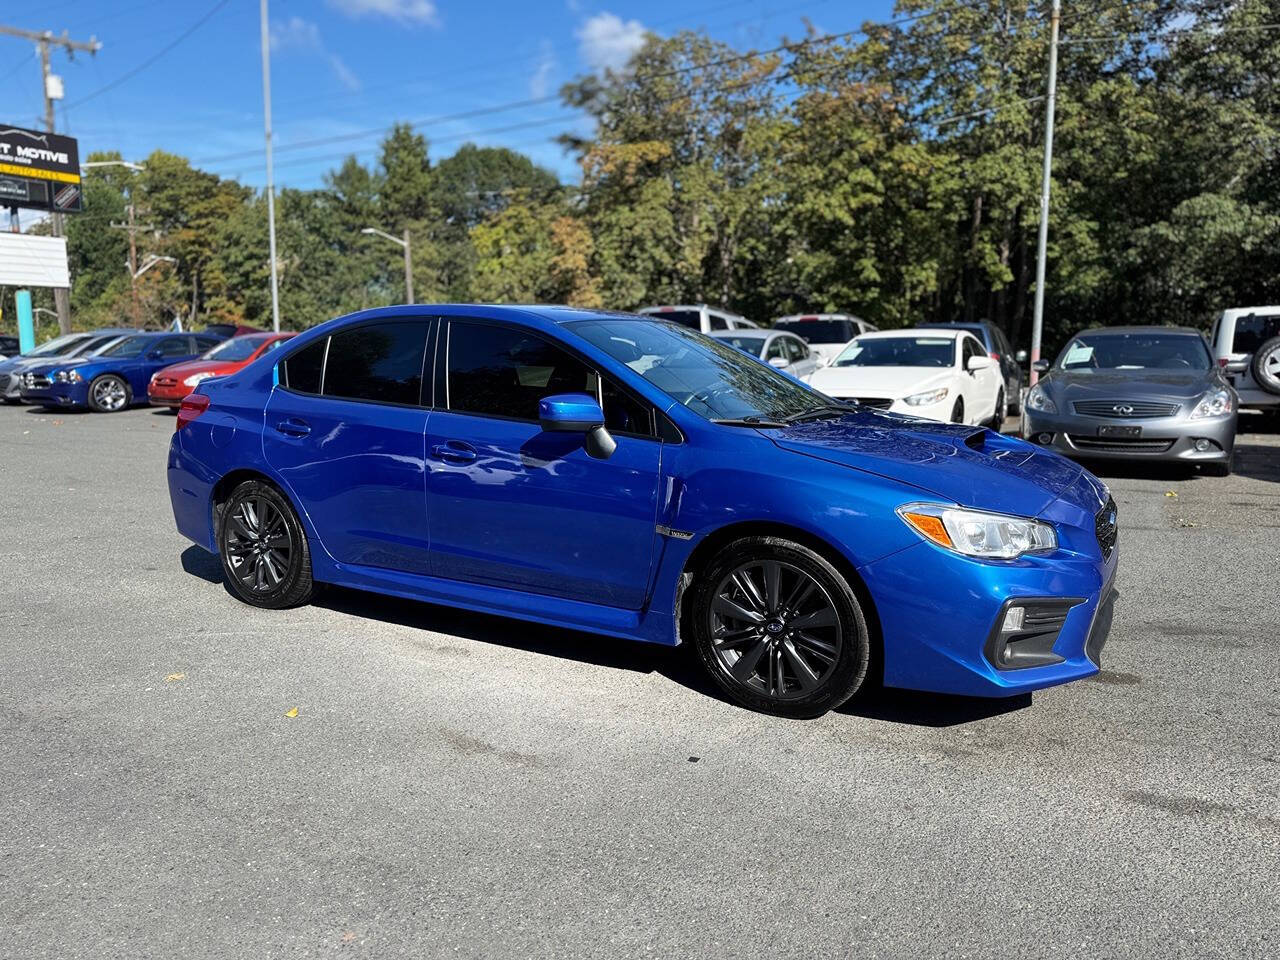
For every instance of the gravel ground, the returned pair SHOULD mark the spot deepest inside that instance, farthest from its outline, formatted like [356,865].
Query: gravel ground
[461,785]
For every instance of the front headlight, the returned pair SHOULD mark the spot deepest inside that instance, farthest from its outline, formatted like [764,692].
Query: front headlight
[68,376]
[926,398]
[1215,403]
[195,378]
[977,533]
[1037,399]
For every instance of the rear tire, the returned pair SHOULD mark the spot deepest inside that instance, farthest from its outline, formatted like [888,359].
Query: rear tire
[997,418]
[109,394]
[779,629]
[263,547]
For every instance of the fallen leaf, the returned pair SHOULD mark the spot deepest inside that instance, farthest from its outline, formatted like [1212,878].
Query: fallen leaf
[1171,493]
[349,937]
[291,712]
[175,676]
[57,423]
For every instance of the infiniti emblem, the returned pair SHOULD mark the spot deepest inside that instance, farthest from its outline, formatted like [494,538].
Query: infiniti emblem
[1123,409]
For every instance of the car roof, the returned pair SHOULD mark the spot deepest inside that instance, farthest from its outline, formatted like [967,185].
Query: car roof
[955,325]
[1149,328]
[801,317]
[517,313]
[756,333]
[911,332]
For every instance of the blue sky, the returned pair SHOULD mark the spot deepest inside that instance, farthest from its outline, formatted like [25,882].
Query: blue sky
[342,68]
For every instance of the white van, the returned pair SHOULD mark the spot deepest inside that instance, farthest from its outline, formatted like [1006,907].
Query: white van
[1246,344]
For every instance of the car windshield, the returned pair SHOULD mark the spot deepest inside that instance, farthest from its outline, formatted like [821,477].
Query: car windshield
[239,348]
[128,347]
[58,345]
[898,352]
[1135,351]
[706,375]
[751,345]
[819,331]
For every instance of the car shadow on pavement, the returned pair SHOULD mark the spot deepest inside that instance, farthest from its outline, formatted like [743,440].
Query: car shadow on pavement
[677,664]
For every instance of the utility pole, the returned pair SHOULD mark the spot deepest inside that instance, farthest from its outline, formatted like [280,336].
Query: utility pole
[133,228]
[1037,322]
[271,190]
[44,40]
[408,268]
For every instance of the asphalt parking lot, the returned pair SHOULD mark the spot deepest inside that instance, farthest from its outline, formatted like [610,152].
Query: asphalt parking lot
[461,785]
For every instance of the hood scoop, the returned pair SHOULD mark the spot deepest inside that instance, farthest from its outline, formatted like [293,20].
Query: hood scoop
[976,441]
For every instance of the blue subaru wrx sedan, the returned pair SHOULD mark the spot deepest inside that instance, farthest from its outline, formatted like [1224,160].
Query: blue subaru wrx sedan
[628,476]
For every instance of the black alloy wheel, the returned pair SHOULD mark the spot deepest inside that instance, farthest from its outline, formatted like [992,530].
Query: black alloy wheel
[779,629]
[264,551]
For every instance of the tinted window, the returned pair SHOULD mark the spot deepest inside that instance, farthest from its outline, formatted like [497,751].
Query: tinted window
[1253,331]
[172,347]
[972,349]
[623,413]
[301,371]
[204,343]
[377,361]
[686,318]
[921,351]
[820,331]
[504,373]
[749,345]
[129,347]
[1135,351]
[716,323]
[777,348]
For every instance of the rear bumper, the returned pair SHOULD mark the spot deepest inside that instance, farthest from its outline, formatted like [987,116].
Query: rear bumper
[1165,439]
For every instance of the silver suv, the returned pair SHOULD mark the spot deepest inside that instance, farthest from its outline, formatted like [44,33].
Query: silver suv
[700,317]
[1246,345]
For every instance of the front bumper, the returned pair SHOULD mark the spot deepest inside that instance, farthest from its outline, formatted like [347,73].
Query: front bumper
[167,395]
[1164,439]
[57,394]
[940,611]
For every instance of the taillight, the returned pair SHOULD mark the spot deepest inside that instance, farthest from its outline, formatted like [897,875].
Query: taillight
[194,405]
[1223,361]
[995,356]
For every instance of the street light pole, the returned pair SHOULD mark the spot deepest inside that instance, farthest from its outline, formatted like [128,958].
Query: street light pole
[408,256]
[271,191]
[1037,322]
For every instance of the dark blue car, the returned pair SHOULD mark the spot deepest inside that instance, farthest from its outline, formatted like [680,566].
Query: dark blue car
[629,476]
[117,377]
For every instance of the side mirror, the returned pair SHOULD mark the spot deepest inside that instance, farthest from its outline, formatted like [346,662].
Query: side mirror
[979,363]
[1041,366]
[577,413]
[1020,356]
[777,361]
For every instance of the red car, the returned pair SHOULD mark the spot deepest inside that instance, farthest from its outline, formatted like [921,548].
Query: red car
[170,386]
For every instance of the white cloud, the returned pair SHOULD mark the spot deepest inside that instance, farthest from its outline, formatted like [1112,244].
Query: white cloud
[405,11]
[303,35]
[606,41]
[540,79]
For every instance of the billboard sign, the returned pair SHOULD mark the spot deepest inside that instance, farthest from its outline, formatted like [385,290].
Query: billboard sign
[39,170]
[29,260]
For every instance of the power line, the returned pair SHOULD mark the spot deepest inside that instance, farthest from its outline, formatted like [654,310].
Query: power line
[18,66]
[128,75]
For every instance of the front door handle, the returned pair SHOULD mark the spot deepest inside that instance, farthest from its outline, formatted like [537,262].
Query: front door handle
[293,427]
[454,451]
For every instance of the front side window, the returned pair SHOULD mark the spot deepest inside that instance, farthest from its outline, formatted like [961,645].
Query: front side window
[704,374]
[128,347]
[1135,351]
[501,372]
[381,362]
[173,347]
[795,349]
[746,344]
[971,349]
[921,351]
[777,349]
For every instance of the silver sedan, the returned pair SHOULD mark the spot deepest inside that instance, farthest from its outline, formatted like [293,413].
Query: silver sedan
[1135,393]
[785,351]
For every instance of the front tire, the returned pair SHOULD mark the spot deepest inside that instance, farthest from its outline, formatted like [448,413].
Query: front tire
[263,547]
[109,393]
[1000,412]
[957,412]
[779,629]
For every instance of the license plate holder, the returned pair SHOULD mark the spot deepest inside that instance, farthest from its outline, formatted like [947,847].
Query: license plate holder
[1121,431]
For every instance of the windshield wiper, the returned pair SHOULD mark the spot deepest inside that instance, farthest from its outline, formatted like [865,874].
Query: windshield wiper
[822,412]
[751,421]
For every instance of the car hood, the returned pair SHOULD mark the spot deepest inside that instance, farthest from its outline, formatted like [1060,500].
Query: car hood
[880,381]
[188,367]
[971,466]
[21,364]
[1129,385]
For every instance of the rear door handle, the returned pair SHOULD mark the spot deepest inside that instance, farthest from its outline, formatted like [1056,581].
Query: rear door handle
[454,451]
[293,427]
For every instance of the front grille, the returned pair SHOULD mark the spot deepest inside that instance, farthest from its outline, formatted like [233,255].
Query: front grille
[1134,445]
[35,381]
[1106,527]
[164,381]
[1125,409]
[877,403]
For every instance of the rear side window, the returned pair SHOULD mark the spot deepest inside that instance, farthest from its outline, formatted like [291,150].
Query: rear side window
[380,362]
[302,370]
[174,347]
[501,372]
[1253,331]
[972,349]
[716,322]
[686,318]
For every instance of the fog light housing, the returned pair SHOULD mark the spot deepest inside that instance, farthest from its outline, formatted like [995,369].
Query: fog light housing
[1044,439]
[1013,620]
[1203,445]
[1025,631]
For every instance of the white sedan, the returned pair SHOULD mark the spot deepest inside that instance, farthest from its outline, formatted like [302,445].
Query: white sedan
[936,374]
